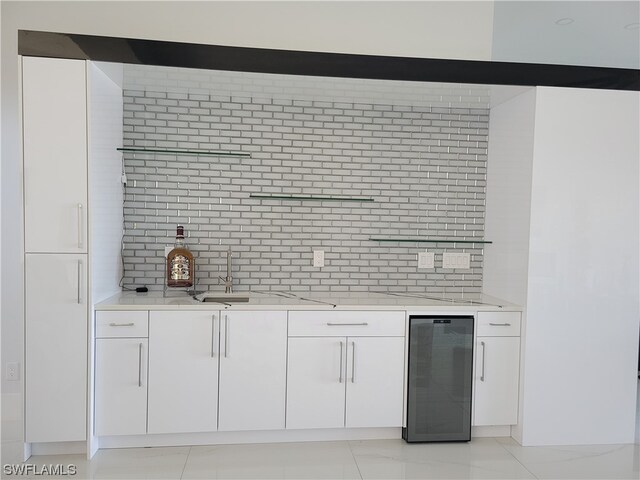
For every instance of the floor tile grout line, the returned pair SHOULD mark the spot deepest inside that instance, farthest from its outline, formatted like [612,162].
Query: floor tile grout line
[355,460]
[184,467]
[516,458]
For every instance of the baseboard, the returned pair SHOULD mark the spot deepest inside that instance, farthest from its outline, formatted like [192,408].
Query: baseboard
[491,431]
[93,445]
[58,448]
[271,436]
[27,452]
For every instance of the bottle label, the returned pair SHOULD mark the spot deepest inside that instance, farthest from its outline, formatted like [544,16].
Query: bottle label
[180,268]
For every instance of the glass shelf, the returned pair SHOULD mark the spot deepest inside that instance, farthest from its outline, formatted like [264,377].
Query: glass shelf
[425,240]
[178,151]
[328,198]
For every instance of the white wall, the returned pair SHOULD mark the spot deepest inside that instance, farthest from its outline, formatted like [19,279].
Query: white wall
[438,29]
[106,200]
[508,203]
[107,197]
[12,276]
[562,211]
[581,342]
[508,207]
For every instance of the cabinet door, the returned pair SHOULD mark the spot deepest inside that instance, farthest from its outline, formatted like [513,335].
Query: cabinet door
[496,381]
[316,382]
[183,371]
[56,347]
[253,368]
[121,386]
[54,115]
[375,378]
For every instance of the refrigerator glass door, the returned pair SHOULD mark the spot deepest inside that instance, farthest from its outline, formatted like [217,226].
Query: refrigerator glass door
[440,379]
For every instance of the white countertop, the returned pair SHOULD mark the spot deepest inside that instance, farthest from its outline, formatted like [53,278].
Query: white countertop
[281,300]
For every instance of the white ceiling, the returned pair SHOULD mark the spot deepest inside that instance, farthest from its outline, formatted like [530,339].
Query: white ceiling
[598,33]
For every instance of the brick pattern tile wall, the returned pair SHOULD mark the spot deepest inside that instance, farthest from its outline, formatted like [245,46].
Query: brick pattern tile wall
[425,167]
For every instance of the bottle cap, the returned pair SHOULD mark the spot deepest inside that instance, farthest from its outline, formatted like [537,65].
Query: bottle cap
[180,231]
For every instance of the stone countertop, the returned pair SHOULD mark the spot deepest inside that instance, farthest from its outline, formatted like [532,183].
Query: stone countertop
[284,300]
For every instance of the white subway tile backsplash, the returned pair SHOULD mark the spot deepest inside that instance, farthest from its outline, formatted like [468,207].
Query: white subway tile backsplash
[424,166]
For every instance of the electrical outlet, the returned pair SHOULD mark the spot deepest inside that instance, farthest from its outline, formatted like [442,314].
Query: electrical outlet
[426,260]
[456,260]
[13,371]
[318,258]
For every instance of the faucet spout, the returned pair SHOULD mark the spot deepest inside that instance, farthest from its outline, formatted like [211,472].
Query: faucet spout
[228,280]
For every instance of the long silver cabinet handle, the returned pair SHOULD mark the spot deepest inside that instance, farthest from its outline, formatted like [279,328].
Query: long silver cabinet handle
[484,347]
[80,236]
[140,364]
[226,336]
[213,336]
[79,282]
[353,362]
[130,324]
[340,376]
[500,324]
[347,324]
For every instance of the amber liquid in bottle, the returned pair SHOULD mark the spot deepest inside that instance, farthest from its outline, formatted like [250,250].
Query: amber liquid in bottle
[180,264]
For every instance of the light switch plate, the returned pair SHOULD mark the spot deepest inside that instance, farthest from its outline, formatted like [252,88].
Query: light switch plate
[426,260]
[456,260]
[318,258]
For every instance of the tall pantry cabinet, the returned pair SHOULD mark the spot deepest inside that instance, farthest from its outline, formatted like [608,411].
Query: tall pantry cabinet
[54,114]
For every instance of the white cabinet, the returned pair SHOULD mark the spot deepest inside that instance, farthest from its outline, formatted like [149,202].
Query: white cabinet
[354,380]
[54,113]
[253,363]
[345,381]
[56,347]
[121,386]
[375,373]
[496,385]
[54,132]
[195,359]
[497,369]
[121,373]
[183,371]
[208,370]
[316,382]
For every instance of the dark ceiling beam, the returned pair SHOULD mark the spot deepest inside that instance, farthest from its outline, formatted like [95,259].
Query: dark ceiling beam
[263,60]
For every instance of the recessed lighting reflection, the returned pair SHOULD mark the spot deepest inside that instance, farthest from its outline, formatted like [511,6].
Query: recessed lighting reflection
[632,26]
[565,21]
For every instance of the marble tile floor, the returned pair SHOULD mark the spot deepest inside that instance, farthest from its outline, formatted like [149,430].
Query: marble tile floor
[482,458]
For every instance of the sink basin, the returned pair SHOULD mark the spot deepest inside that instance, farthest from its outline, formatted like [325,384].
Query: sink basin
[229,298]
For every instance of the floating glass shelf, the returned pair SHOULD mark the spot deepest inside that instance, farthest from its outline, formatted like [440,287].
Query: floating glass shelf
[425,240]
[328,198]
[178,151]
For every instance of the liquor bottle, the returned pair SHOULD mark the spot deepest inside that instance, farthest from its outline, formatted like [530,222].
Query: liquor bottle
[180,264]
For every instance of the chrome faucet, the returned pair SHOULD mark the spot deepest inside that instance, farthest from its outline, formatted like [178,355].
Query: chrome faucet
[228,280]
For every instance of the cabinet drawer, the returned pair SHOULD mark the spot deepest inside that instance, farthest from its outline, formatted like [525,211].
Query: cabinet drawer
[122,324]
[346,324]
[498,324]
